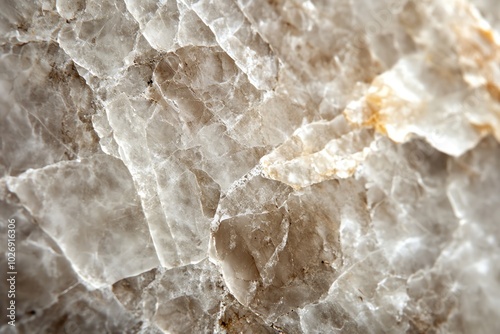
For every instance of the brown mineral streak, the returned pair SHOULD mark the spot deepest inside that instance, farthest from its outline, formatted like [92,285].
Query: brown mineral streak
[375,104]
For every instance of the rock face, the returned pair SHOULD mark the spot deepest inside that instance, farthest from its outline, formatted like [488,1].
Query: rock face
[261,166]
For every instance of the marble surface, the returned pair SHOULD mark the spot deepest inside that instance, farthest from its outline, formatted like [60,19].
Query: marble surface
[251,166]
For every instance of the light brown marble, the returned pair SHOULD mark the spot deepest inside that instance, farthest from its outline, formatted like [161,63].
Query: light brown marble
[251,166]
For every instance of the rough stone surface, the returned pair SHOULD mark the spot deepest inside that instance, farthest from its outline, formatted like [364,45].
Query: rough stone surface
[261,166]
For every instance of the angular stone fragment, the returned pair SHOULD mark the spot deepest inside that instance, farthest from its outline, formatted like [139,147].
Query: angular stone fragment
[317,152]
[81,311]
[101,39]
[235,35]
[184,299]
[46,109]
[403,106]
[44,273]
[96,218]
[265,260]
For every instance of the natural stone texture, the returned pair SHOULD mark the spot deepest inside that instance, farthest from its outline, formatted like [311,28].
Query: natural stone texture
[46,108]
[258,166]
[91,210]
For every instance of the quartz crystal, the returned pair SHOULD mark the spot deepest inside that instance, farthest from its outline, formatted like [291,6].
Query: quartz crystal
[251,166]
